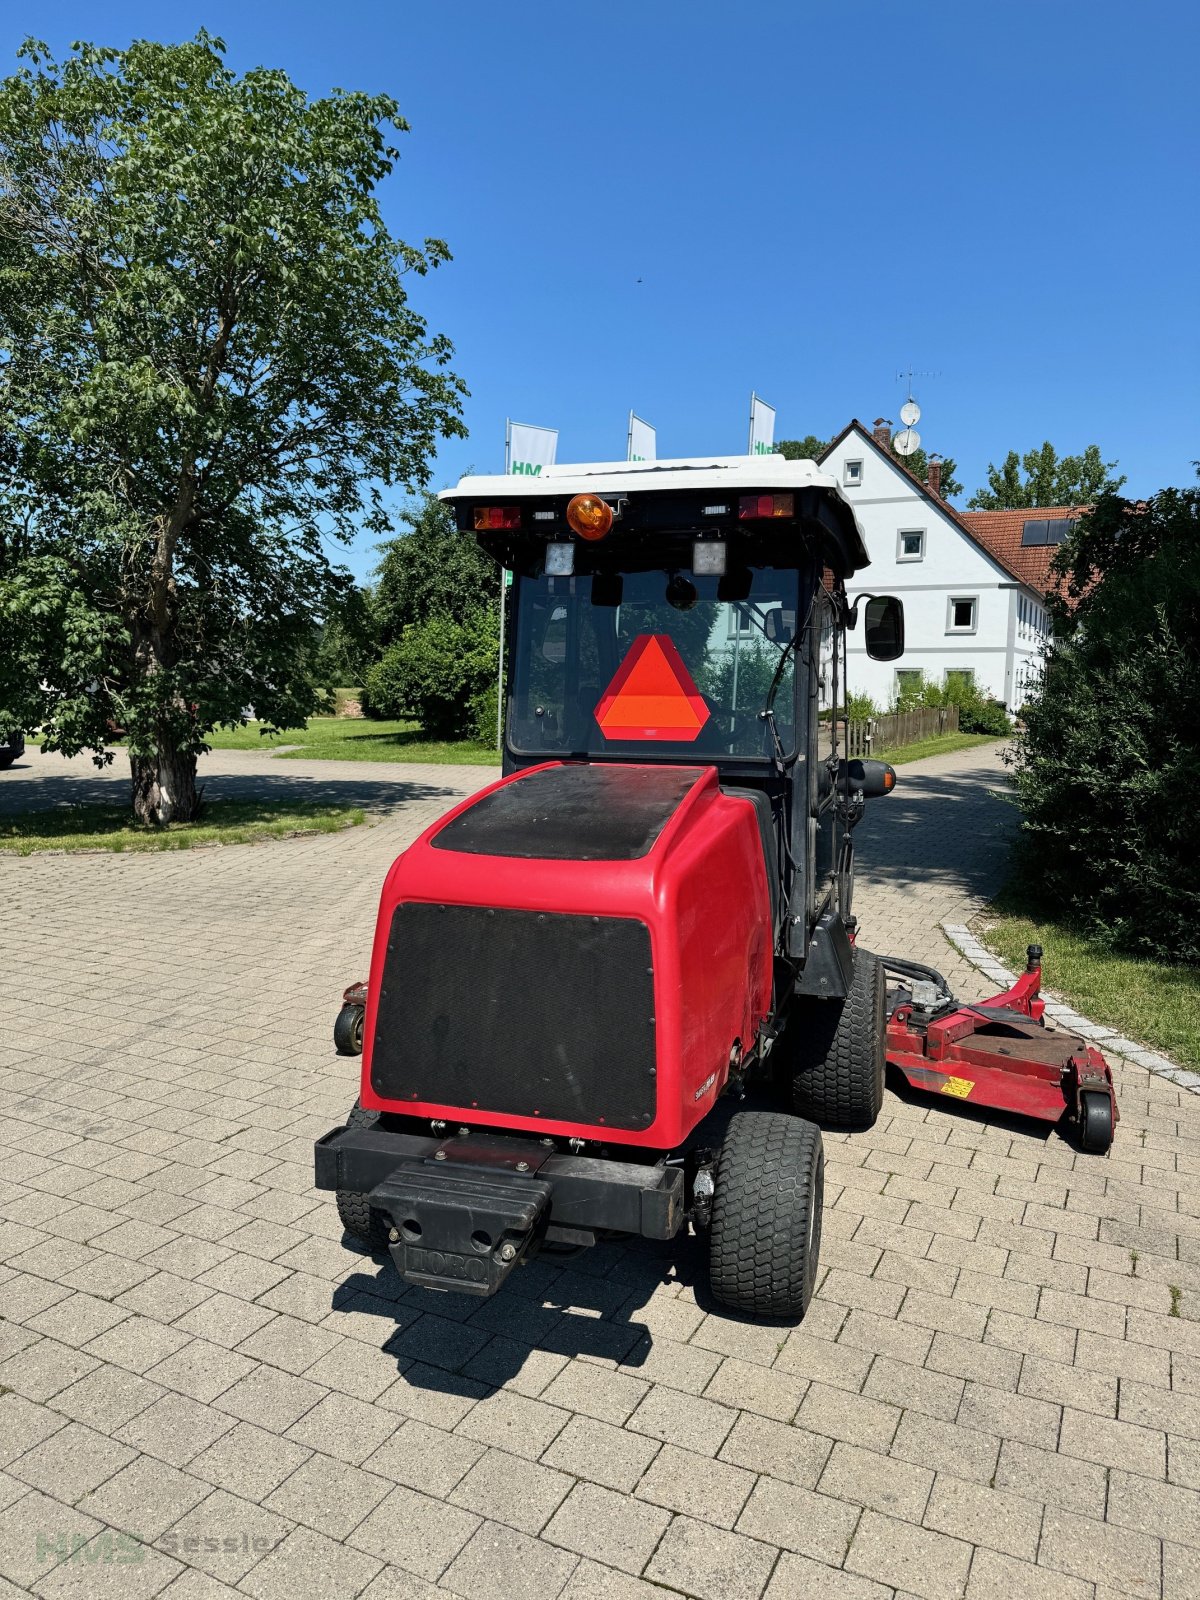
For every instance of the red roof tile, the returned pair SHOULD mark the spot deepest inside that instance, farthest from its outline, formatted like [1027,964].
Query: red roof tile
[1000,532]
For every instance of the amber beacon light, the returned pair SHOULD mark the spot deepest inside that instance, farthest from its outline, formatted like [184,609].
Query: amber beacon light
[589,516]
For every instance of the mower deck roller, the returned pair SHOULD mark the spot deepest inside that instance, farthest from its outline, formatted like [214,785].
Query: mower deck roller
[582,976]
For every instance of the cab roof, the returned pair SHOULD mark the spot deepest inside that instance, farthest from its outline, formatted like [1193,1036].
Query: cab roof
[724,476]
[728,474]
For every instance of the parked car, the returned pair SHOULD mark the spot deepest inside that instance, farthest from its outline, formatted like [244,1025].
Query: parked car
[12,745]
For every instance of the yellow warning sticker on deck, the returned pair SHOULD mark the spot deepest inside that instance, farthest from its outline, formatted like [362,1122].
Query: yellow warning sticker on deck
[961,1087]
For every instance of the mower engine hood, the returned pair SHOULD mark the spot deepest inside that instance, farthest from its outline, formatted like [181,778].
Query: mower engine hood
[580,950]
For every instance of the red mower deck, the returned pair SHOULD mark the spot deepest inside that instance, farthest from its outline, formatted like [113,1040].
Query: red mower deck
[998,1053]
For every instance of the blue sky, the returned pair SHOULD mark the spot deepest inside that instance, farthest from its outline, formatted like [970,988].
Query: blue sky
[812,198]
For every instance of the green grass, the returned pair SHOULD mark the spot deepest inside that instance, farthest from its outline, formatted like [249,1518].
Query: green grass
[1152,1004]
[938,744]
[356,739]
[99,827]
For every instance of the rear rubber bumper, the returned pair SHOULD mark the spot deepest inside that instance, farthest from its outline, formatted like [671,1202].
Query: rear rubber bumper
[463,1211]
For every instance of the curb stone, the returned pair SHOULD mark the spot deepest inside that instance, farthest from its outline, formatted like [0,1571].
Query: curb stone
[1112,1042]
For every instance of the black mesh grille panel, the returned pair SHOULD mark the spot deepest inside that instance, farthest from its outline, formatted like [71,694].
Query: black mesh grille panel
[525,1012]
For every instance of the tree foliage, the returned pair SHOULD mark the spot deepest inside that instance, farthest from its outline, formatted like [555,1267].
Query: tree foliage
[1109,766]
[810,448]
[442,673]
[1050,480]
[431,570]
[209,369]
[918,465]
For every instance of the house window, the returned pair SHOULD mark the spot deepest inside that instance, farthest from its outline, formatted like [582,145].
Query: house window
[852,474]
[739,621]
[910,544]
[909,681]
[960,677]
[962,613]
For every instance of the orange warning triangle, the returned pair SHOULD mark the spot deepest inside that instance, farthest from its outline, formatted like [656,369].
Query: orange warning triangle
[653,695]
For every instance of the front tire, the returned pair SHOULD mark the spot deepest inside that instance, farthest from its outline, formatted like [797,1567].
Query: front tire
[356,1216]
[838,1054]
[765,1240]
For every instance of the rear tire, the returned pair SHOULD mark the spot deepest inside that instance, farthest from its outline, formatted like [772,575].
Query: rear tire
[839,1051]
[765,1240]
[356,1215]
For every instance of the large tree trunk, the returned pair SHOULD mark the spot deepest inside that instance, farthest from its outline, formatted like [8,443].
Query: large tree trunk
[164,787]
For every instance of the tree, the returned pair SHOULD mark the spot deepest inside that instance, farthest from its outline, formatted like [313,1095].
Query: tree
[431,570]
[918,465]
[1109,765]
[810,448]
[1049,480]
[209,366]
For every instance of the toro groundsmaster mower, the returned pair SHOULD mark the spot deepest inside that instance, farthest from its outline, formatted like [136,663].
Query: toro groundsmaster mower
[572,968]
[578,972]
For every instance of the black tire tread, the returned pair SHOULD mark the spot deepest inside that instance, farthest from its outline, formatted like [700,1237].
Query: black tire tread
[347,1031]
[355,1214]
[839,1056]
[770,1176]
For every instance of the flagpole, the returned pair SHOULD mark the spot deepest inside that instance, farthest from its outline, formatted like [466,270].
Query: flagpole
[503,595]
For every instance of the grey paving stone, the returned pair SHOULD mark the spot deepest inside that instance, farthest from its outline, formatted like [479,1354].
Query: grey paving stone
[865,1478]
[509,1489]
[412,1531]
[145,1498]
[501,1564]
[425,1458]
[343,1427]
[610,1528]
[1122,1558]
[308,1564]
[224,1536]
[329,1496]
[249,1461]
[910,1559]
[797,1578]
[685,1420]
[70,1462]
[711,1491]
[601,1453]
[710,1563]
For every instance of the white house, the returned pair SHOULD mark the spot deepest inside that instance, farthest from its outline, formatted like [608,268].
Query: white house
[969,608]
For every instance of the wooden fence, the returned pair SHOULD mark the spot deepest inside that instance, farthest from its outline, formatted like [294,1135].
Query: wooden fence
[899,727]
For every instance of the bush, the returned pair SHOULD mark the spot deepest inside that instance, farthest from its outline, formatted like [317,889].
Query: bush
[977,712]
[860,708]
[1108,767]
[438,672]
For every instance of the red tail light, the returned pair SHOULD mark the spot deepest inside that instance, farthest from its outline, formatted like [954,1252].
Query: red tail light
[752,507]
[497,517]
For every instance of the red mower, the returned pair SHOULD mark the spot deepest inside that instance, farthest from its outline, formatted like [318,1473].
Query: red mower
[591,981]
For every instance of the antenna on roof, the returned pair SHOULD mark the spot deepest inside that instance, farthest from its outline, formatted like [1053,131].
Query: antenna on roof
[908,440]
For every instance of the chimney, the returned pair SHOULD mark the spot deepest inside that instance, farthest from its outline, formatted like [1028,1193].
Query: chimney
[882,433]
[933,476]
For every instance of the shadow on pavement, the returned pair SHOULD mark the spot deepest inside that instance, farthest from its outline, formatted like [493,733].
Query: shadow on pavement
[952,829]
[381,795]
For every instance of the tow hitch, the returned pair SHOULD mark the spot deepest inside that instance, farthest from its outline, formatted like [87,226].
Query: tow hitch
[998,1052]
[455,1227]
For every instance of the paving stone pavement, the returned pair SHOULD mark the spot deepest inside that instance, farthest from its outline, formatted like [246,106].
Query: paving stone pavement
[996,1391]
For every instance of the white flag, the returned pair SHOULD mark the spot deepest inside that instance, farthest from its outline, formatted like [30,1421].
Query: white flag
[762,428]
[641,440]
[528,449]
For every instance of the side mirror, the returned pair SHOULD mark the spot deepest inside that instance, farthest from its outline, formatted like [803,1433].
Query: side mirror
[885,627]
[779,625]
